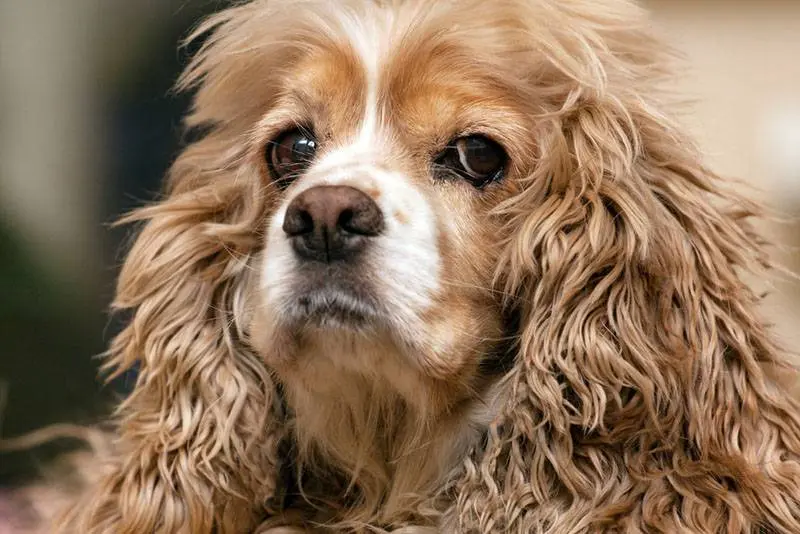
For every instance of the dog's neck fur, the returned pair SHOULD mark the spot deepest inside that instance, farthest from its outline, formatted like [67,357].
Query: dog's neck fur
[371,428]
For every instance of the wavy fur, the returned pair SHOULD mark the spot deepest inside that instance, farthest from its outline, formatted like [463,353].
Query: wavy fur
[642,397]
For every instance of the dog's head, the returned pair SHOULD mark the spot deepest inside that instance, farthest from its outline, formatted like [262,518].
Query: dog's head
[394,135]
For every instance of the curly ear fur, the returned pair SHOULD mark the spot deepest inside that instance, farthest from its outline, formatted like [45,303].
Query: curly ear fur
[641,400]
[197,448]
[198,437]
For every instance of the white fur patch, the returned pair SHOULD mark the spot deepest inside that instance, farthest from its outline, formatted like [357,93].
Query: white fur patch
[405,258]
[368,37]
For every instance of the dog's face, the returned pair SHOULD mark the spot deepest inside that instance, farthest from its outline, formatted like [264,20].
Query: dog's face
[388,150]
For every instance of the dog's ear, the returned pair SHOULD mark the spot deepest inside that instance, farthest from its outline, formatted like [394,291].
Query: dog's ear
[639,397]
[197,447]
[198,435]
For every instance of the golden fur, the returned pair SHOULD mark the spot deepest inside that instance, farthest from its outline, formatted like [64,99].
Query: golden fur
[641,396]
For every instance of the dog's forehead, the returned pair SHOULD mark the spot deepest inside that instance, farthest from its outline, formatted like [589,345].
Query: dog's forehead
[380,71]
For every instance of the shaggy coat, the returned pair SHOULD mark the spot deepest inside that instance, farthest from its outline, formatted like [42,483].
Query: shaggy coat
[575,352]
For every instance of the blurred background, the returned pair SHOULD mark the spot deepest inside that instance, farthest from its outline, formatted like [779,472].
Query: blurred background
[88,126]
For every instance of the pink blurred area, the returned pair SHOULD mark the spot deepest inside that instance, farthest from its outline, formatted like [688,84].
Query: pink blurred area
[11,521]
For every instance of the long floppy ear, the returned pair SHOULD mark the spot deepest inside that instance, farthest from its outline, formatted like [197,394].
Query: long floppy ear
[640,401]
[198,436]
[197,448]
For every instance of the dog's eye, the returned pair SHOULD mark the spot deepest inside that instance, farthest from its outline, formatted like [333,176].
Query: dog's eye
[475,158]
[290,154]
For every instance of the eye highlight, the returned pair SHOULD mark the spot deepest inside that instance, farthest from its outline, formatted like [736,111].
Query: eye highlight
[290,154]
[475,158]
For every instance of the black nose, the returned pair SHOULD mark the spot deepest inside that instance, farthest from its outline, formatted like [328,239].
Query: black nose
[330,223]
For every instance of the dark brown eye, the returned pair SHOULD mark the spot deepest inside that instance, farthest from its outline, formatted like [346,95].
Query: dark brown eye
[476,158]
[290,154]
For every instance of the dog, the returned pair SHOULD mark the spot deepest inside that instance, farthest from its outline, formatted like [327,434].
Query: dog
[439,267]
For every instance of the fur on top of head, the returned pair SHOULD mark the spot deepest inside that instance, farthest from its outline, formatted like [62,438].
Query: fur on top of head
[443,266]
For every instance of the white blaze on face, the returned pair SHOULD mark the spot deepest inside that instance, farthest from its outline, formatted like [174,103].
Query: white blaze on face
[403,262]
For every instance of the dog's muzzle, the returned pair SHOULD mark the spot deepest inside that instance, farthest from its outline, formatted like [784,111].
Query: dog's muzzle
[330,229]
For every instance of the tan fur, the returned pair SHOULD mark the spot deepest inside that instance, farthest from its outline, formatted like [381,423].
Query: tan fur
[639,399]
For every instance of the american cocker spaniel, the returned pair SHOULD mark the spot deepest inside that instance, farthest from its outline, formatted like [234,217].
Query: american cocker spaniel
[442,266]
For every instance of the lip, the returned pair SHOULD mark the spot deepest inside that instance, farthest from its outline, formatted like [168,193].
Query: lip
[331,307]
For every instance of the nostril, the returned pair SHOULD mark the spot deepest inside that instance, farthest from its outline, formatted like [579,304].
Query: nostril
[298,222]
[307,222]
[365,218]
[345,221]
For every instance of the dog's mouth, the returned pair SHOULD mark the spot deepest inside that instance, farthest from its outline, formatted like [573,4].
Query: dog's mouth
[332,307]
[333,299]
